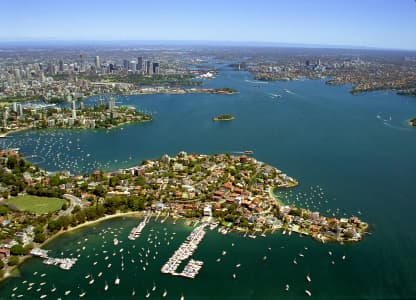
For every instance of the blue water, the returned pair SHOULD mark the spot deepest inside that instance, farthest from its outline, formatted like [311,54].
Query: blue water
[358,150]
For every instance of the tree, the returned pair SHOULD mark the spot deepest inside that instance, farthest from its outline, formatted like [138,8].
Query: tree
[13,260]
[11,162]
[1,264]
[3,210]
[64,206]
[17,250]
[39,238]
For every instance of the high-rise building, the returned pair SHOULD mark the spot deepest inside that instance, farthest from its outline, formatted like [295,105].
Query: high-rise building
[149,68]
[125,64]
[61,66]
[97,62]
[132,66]
[111,103]
[14,107]
[20,109]
[155,68]
[139,63]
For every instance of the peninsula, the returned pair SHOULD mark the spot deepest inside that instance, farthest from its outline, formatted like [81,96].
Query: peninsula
[102,115]
[226,117]
[235,192]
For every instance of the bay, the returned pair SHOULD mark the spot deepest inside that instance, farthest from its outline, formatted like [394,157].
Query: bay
[351,155]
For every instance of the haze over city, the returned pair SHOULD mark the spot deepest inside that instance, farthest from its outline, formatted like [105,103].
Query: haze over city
[369,23]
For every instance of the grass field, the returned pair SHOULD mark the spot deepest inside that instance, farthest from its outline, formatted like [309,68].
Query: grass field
[38,205]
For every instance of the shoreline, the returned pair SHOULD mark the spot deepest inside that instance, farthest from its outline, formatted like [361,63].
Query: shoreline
[10,271]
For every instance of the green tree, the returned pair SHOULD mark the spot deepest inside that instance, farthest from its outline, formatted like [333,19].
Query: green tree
[17,250]
[1,264]
[13,260]
[39,238]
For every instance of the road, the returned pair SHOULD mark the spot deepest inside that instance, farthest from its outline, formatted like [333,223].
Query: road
[74,202]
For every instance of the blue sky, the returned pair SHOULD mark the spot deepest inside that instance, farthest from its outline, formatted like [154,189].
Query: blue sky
[368,23]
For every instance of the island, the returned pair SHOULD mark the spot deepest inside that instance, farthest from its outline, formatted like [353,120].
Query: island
[412,122]
[101,115]
[226,117]
[233,192]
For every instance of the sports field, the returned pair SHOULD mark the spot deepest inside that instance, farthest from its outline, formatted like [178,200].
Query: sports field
[38,205]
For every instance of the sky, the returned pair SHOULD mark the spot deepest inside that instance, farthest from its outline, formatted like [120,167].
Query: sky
[358,23]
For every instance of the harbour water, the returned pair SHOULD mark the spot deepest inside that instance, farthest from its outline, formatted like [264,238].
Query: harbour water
[353,155]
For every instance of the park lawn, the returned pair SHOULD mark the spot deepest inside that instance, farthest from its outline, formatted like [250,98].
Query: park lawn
[38,205]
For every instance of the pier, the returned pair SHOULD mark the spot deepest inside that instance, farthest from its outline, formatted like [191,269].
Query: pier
[63,263]
[185,251]
[136,231]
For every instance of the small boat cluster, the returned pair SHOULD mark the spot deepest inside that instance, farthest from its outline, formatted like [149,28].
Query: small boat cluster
[186,249]
[64,263]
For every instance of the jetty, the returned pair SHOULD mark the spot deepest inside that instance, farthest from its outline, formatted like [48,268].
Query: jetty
[63,263]
[186,250]
[136,231]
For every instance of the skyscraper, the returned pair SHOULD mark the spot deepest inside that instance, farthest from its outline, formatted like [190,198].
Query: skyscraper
[111,103]
[97,62]
[155,68]
[149,68]
[139,63]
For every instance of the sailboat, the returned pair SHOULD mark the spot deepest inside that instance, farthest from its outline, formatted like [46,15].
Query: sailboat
[106,286]
[165,293]
[154,287]
[117,281]
[133,292]
[182,297]
[147,294]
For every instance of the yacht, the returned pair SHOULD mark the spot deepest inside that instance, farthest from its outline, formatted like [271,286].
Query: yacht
[165,293]
[154,287]
[43,296]
[117,281]
[287,288]
[133,292]
[67,292]
[82,294]
[308,278]
[106,286]
[91,281]
[182,297]
[234,276]
[238,265]
[308,293]
[53,288]
[147,294]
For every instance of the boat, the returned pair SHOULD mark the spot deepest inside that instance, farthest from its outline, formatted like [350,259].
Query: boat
[295,262]
[264,257]
[343,257]
[308,293]
[106,286]
[99,274]
[238,265]
[82,294]
[147,294]
[234,276]
[133,292]
[53,288]
[248,152]
[67,292]
[154,287]
[165,293]
[287,287]
[117,281]
[308,278]
[182,297]
[43,296]
[224,253]
[91,281]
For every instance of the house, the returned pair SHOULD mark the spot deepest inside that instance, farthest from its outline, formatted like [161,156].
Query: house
[208,211]
[4,252]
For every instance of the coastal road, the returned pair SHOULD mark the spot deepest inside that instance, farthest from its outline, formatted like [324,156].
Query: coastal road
[74,202]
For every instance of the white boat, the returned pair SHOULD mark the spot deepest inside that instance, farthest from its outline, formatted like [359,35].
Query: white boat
[117,281]
[67,292]
[343,257]
[238,265]
[82,294]
[308,293]
[308,278]
[234,276]
[182,297]
[224,252]
[287,287]
[133,292]
[165,293]
[147,294]
[154,287]
[53,288]
[295,262]
[264,257]
[106,286]
[43,296]
[91,281]
[99,274]
[329,253]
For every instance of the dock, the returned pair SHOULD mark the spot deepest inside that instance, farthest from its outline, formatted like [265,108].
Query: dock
[186,250]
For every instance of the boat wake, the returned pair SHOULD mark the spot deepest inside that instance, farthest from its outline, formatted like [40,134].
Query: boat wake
[256,81]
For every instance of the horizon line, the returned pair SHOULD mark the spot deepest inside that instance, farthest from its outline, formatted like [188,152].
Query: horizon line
[168,42]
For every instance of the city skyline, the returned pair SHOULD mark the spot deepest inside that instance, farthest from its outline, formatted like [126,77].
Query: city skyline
[368,24]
